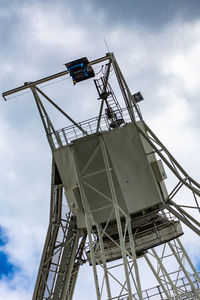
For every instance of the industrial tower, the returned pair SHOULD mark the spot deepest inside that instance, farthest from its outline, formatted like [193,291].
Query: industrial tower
[110,205]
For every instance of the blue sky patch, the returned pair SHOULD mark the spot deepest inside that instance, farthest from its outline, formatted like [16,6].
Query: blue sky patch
[198,267]
[6,268]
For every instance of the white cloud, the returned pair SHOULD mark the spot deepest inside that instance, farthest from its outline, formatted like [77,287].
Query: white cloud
[13,294]
[183,63]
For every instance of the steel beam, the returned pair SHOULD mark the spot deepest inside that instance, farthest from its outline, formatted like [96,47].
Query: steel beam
[48,78]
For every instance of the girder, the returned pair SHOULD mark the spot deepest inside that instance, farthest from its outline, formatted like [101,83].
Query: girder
[60,259]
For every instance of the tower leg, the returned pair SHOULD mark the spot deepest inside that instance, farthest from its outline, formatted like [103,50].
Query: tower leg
[100,233]
[89,232]
[119,227]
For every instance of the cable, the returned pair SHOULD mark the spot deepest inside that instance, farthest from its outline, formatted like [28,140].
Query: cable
[100,71]
[12,97]
[40,87]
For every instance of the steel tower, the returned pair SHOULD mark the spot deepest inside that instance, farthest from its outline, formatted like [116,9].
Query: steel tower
[110,206]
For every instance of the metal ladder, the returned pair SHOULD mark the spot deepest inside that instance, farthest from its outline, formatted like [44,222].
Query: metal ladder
[113,110]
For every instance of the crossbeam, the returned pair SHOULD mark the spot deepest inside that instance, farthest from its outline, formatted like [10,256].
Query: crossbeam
[48,78]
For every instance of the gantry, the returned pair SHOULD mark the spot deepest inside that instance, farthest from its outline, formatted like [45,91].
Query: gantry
[110,206]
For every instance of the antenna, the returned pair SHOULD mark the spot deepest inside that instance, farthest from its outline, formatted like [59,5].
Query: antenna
[106,45]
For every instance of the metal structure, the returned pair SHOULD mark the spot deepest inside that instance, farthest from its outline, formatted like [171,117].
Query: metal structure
[110,206]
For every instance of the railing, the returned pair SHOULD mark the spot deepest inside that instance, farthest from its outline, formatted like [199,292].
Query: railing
[155,225]
[67,135]
[185,292]
[183,285]
[159,229]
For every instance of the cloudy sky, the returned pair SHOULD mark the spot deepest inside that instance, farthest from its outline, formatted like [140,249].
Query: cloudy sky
[157,45]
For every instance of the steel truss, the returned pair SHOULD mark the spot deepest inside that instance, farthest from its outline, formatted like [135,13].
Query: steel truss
[63,249]
[66,248]
[184,212]
[174,271]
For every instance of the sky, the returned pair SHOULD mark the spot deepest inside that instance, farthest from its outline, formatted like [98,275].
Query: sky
[157,45]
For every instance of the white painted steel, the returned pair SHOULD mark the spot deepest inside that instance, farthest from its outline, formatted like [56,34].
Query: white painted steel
[115,190]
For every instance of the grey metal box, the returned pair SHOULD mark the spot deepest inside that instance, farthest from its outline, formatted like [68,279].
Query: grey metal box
[83,172]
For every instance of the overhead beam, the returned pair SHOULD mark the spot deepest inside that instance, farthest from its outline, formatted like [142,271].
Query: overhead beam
[48,78]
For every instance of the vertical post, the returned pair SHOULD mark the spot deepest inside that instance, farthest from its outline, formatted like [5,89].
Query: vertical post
[117,214]
[89,231]
[104,262]
[132,245]
[125,91]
